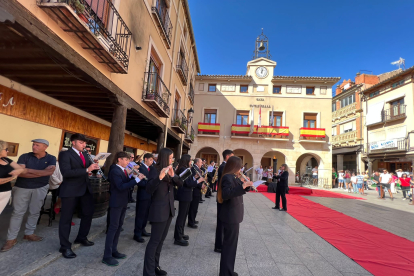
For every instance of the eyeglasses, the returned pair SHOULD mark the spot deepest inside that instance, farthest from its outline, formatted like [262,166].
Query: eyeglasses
[89,151]
[131,157]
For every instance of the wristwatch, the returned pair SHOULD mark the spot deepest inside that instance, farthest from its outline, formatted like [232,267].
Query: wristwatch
[87,170]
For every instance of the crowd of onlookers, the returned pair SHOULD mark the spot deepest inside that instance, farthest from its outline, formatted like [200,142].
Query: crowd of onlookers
[385,181]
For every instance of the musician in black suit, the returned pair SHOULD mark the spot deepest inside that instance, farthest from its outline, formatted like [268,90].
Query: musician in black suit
[282,185]
[218,244]
[143,201]
[230,194]
[119,189]
[192,213]
[185,196]
[161,183]
[211,170]
[75,167]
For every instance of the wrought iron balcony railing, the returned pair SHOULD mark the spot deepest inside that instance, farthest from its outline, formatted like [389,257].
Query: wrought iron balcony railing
[400,144]
[156,94]
[98,27]
[308,133]
[396,112]
[191,93]
[179,121]
[189,137]
[262,131]
[160,10]
[182,67]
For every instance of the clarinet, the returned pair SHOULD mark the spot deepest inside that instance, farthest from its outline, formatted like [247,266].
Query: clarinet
[91,159]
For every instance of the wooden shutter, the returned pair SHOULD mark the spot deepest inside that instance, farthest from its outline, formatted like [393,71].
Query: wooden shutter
[310,116]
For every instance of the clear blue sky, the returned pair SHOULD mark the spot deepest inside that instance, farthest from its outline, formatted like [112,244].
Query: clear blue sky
[306,38]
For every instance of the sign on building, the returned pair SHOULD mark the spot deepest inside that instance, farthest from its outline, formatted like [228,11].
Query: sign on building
[383,144]
[293,89]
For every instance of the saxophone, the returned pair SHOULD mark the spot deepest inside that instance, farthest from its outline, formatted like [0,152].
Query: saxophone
[204,191]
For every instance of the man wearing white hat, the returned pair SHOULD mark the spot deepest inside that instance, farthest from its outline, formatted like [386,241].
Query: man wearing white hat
[30,191]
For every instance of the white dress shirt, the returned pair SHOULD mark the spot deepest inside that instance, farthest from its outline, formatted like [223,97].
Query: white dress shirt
[123,170]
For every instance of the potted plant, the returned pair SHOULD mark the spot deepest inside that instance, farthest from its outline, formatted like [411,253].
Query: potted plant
[183,126]
[79,9]
[192,137]
[177,122]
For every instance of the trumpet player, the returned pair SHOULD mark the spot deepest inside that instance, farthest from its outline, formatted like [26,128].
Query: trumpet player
[120,184]
[230,194]
[143,200]
[192,213]
[185,196]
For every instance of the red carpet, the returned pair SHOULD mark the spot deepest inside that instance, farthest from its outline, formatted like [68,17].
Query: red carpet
[377,250]
[309,192]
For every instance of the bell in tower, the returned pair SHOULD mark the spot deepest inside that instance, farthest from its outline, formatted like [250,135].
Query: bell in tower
[262,47]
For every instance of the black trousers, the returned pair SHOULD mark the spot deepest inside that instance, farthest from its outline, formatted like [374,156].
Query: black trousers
[192,213]
[208,193]
[159,231]
[219,230]
[131,190]
[183,208]
[141,216]
[117,216]
[68,208]
[228,254]
[281,192]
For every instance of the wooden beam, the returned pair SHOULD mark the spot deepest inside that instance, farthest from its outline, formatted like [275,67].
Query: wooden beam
[75,95]
[71,89]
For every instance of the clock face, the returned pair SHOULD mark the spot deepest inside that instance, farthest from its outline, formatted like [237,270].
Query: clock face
[261,72]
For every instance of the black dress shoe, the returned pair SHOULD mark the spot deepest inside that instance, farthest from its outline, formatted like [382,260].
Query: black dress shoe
[181,242]
[84,242]
[281,209]
[146,234]
[196,222]
[192,226]
[186,237]
[160,272]
[217,250]
[110,261]
[207,197]
[139,239]
[67,253]
[201,201]
[235,274]
[118,255]
[275,208]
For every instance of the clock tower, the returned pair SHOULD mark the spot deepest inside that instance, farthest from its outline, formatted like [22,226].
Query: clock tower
[262,47]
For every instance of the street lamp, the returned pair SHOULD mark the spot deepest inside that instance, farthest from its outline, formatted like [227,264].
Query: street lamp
[190,113]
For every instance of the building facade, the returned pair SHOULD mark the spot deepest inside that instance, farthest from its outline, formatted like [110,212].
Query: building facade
[121,72]
[388,106]
[265,119]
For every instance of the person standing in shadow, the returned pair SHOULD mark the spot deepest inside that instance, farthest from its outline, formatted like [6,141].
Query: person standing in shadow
[282,185]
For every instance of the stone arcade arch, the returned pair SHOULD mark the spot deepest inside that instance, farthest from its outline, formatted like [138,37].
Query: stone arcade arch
[246,157]
[210,154]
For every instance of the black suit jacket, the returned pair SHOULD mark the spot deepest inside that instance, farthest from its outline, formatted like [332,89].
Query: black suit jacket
[119,187]
[142,194]
[232,208]
[162,195]
[75,178]
[197,190]
[185,193]
[220,171]
[284,177]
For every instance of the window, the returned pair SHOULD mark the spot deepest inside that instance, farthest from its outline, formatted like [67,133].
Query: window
[333,107]
[323,90]
[277,89]
[348,100]
[373,94]
[398,83]
[310,90]
[242,118]
[277,119]
[212,88]
[309,120]
[333,131]
[347,127]
[201,87]
[176,106]
[397,107]
[244,88]
[210,116]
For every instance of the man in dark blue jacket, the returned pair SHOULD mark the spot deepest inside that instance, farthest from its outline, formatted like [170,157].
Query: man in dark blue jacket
[119,188]
[143,200]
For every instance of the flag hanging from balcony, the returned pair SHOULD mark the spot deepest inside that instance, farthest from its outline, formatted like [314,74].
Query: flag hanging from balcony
[251,121]
[259,124]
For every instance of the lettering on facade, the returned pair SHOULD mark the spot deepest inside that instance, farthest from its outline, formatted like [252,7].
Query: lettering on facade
[260,105]
[10,102]
[293,89]
[260,99]
[228,87]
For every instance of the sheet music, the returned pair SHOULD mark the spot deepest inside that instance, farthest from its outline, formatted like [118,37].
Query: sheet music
[258,182]
[102,156]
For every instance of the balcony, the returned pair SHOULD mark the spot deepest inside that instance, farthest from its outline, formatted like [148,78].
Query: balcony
[189,137]
[345,137]
[209,129]
[344,112]
[191,93]
[307,133]
[396,112]
[97,27]
[182,68]
[393,145]
[160,14]
[178,121]
[156,95]
[263,131]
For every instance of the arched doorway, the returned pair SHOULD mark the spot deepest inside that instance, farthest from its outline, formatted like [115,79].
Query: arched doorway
[209,154]
[273,159]
[306,162]
[246,157]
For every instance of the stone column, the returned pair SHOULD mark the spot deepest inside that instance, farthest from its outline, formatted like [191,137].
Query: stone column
[178,150]
[370,167]
[117,135]
[340,162]
[160,141]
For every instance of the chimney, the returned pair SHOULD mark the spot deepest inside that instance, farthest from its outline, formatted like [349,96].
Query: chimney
[338,90]
[367,79]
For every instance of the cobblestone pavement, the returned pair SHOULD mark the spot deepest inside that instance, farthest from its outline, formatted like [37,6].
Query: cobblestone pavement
[270,243]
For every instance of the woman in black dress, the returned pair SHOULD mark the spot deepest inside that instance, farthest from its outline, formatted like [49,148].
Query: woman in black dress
[185,196]
[161,182]
[230,194]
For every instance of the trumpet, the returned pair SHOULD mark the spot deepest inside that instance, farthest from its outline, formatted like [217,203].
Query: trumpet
[93,161]
[246,179]
[134,171]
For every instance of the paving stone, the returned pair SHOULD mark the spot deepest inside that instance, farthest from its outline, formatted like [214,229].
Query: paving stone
[293,269]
